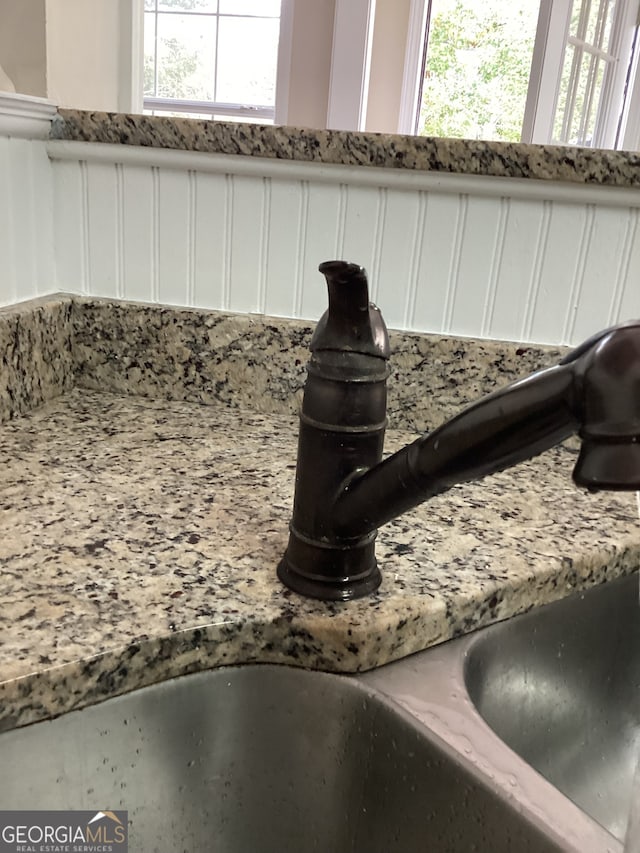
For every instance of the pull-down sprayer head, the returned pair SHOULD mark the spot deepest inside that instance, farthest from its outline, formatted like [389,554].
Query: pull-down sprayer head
[608,379]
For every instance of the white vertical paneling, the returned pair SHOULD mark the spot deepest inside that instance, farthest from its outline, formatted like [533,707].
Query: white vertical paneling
[524,220]
[436,262]
[318,231]
[85,225]
[578,278]
[535,281]
[454,269]
[414,262]
[558,269]
[480,250]
[622,272]
[192,205]
[283,247]
[120,214]
[138,229]
[26,220]
[42,199]
[360,218]
[102,231]
[208,240]
[629,301]
[68,227]
[396,255]
[8,289]
[23,216]
[378,236]
[246,240]
[263,248]
[548,266]
[605,251]
[172,233]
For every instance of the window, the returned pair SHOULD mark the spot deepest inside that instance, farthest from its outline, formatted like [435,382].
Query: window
[477,66]
[584,62]
[211,58]
[562,71]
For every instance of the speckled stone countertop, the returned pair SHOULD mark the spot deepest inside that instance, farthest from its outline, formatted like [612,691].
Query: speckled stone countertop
[461,156]
[141,533]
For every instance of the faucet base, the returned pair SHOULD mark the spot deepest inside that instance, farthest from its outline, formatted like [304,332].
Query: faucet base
[330,573]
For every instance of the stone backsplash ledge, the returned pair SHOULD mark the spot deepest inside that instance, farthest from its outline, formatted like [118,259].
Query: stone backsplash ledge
[245,362]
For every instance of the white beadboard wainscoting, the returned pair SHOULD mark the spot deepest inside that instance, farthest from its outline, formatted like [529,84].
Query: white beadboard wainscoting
[497,258]
[27,267]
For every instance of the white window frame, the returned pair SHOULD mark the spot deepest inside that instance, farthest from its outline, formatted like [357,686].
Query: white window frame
[350,64]
[276,113]
[618,121]
[414,64]
[552,37]
[131,67]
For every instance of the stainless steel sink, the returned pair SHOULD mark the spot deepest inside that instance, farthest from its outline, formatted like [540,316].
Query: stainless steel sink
[258,759]
[547,706]
[561,686]
[521,737]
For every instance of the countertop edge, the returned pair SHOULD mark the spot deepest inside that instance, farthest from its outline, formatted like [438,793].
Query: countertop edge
[568,164]
[301,642]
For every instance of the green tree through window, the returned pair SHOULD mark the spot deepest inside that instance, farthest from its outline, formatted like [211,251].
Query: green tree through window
[477,68]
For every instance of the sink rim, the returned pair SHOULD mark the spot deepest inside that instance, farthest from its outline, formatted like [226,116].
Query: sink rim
[489,650]
[431,686]
[429,690]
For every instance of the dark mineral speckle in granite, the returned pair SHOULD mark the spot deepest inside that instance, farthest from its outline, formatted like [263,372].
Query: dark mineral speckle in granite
[141,535]
[36,354]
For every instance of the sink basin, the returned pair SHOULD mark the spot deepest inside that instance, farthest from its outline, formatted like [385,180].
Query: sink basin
[523,736]
[561,686]
[260,759]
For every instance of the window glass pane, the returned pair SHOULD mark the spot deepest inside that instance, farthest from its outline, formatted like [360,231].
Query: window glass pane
[590,122]
[574,136]
[149,54]
[564,101]
[573,126]
[188,5]
[477,68]
[611,8]
[149,5]
[267,8]
[186,57]
[578,10]
[597,21]
[247,59]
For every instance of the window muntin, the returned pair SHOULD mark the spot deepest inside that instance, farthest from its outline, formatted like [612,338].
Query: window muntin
[581,88]
[211,57]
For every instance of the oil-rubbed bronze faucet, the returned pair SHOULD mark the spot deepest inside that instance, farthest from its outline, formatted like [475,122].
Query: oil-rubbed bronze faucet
[344,492]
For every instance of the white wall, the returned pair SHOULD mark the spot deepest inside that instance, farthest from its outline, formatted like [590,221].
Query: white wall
[89,54]
[78,53]
[27,267]
[23,45]
[498,258]
[387,65]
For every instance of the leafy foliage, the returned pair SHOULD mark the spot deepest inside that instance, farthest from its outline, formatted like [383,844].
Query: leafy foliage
[477,69]
[174,71]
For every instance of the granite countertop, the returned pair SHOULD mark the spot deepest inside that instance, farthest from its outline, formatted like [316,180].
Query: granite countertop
[458,156]
[142,527]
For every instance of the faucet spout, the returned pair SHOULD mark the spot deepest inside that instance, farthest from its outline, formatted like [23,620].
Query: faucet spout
[500,430]
[345,492]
